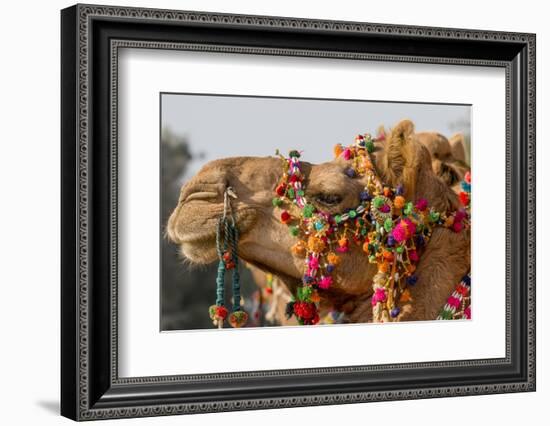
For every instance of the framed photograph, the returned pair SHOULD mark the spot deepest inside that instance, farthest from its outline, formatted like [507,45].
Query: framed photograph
[263,212]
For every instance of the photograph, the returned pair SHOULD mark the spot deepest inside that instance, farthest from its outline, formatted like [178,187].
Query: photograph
[298,211]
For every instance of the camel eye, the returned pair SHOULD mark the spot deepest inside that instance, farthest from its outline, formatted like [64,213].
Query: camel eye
[328,199]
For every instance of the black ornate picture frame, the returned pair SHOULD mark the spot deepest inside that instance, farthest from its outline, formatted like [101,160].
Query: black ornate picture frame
[91,387]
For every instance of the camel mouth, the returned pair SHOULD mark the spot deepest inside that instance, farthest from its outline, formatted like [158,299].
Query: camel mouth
[196,236]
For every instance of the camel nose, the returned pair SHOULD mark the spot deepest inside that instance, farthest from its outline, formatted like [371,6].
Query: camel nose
[197,191]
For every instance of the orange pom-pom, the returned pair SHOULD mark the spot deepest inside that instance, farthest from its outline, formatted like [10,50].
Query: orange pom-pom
[366,246]
[405,296]
[343,245]
[333,259]
[399,202]
[315,297]
[388,256]
[383,267]
[316,244]
[449,221]
[299,249]
[338,149]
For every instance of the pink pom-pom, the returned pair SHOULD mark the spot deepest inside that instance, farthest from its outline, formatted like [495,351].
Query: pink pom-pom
[454,302]
[313,263]
[457,226]
[325,282]
[378,296]
[422,204]
[399,233]
[413,256]
[411,227]
[468,313]
[468,177]
[460,215]
[347,154]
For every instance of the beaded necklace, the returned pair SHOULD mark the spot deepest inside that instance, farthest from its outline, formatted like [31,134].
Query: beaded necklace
[390,230]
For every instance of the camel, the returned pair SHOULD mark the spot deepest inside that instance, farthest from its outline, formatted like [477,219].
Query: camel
[265,242]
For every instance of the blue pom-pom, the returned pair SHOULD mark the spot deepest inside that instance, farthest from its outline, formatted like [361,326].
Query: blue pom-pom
[412,280]
[390,241]
[466,280]
[330,268]
[399,190]
[466,187]
[307,279]
[394,312]
[419,240]
[365,196]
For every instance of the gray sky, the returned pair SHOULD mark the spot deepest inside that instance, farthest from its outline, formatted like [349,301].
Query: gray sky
[227,126]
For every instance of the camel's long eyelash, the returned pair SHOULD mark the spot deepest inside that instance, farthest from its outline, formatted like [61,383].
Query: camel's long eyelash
[328,199]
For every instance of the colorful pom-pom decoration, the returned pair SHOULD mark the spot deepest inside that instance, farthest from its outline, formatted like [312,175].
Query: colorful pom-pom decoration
[238,319]
[389,229]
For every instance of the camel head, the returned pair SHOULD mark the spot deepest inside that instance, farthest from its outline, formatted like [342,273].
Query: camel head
[448,156]
[264,241]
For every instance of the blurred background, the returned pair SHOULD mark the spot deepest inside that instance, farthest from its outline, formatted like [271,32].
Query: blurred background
[196,129]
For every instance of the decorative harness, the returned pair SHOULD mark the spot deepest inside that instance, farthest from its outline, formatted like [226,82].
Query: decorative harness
[390,230]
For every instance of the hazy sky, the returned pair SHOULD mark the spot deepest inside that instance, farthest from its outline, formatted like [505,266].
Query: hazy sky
[226,126]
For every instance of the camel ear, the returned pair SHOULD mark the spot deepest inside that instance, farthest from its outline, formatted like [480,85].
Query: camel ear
[400,159]
[458,147]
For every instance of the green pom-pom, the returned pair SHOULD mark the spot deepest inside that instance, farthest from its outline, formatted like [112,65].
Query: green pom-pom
[378,202]
[308,210]
[294,154]
[301,192]
[294,231]
[446,315]
[338,218]
[277,202]
[290,193]
[352,213]
[369,145]
[399,249]
[388,224]
[434,216]
[372,259]
[408,208]
[304,293]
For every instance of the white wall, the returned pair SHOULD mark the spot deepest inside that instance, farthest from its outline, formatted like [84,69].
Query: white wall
[29,210]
